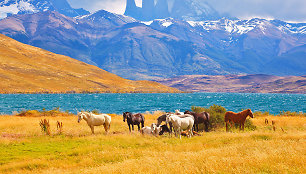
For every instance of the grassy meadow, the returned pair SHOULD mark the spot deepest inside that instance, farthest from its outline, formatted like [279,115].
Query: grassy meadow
[24,148]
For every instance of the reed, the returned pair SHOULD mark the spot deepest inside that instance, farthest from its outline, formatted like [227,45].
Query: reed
[45,126]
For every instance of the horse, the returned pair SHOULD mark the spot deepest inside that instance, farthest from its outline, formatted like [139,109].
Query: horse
[163,118]
[178,112]
[237,118]
[181,122]
[95,120]
[199,118]
[134,119]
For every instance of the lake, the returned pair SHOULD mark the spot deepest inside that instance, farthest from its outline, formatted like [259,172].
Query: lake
[118,103]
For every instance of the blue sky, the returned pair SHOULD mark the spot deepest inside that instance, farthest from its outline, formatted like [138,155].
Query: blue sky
[287,10]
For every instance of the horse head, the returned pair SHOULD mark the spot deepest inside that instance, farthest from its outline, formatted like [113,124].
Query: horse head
[126,115]
[168,115]
[250,113]
[80,116]
[187,112]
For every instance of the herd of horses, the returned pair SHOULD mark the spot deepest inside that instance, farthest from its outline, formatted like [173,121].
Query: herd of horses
[178,121]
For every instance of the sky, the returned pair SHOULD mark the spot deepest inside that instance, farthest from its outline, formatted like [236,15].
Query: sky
[286,10]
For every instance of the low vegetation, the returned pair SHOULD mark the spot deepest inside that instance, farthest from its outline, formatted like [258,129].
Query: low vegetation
[24,148]
[44,113]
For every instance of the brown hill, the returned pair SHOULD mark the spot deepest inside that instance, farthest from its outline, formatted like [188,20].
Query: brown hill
[27,69]
[258,83]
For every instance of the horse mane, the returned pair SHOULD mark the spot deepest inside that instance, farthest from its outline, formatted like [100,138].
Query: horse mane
[245,111]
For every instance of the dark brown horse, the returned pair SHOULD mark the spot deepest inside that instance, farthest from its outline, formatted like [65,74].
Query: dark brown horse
[133,119]
[163,118]
[199,118]
[237,118]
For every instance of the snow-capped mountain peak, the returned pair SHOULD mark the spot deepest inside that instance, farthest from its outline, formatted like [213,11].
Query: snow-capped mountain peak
[10,7]
[244,26]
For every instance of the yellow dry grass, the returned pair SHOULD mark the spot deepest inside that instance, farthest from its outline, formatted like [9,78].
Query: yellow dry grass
[24,149]
[27,69]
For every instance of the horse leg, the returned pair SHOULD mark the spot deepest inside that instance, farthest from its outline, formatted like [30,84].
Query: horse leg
[133,127]
[129,127]
[92,129]
[105,128]
[242,126]
[206,126]
[138,127]
[226,126]
[197,127]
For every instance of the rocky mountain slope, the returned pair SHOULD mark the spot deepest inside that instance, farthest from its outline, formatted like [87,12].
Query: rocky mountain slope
[27,69]
[195,10]
[258,83]
[10,7]
[165,48]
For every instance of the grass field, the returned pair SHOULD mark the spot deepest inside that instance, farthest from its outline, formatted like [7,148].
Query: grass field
[25,149]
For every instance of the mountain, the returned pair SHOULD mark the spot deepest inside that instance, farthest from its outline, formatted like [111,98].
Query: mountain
[257,83]
[165,48]
[195,10]
[10,7]
[27,69]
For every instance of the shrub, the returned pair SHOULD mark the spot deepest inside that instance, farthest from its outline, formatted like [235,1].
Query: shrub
[35,113]
[292,114]
[216,113]
[28,113]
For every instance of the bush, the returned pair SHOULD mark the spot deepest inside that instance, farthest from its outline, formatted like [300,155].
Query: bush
[35,113]
[216,113]
[292,114]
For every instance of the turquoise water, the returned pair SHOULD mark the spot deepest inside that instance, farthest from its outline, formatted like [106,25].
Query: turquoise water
[118,103]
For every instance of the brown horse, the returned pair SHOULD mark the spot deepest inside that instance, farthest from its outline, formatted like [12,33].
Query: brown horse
[133,119]
[237,118]
[199,118]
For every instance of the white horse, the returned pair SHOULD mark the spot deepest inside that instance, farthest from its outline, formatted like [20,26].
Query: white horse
[178,112]
[95,120]
[180,123]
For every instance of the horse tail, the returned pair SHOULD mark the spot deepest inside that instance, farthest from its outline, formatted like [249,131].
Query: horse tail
[207,116]
[143,120]
[207,121]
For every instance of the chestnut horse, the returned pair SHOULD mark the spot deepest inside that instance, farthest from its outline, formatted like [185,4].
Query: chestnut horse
[198,119]
[237,118]
[133,119]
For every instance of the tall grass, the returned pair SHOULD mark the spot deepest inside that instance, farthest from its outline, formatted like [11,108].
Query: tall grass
[24,149]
